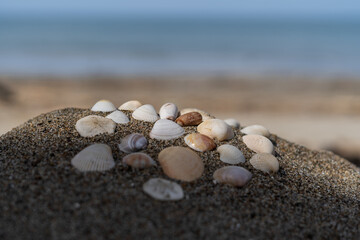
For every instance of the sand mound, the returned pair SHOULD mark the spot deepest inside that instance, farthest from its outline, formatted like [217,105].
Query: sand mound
[42,196]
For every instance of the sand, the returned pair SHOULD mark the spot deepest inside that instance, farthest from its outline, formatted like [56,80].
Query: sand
[315,194]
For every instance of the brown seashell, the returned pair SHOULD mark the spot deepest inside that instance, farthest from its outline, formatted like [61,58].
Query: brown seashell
[199,142]
[138,160]
[235,176]
[189,119]
[181,163]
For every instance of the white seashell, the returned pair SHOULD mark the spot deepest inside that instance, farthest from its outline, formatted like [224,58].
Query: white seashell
[256,130]
[230,154]
[163,190]
[118,117]
[232,123]
[169,111]
[93,125]
[258,143]
[165,129]
[205,115]
[103,106]
[145,113]
[133,143]
[130,105]
[96,157]
[138,160]
[216,128]
[265,162]
[235,176]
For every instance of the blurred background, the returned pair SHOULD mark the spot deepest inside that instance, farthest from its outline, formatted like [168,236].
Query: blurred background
[292,66]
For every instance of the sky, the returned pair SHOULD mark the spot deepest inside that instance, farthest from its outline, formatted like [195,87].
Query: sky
[181,7]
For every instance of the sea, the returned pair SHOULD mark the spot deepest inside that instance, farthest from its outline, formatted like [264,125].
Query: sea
[120,45]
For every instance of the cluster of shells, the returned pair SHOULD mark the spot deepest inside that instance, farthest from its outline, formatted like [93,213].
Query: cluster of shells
[179,163]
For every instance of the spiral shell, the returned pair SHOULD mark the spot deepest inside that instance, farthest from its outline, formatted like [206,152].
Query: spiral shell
[189,119]
[138,160]
[169,111]
[265,162]
[256,130]
[103,106]
[145,113]
[133,143]
[258,143]
[130,105]
[118,117]
[199,142]
[93,125]
[163,190]
[165,129]
[230,154]
[216,128]
[232,175]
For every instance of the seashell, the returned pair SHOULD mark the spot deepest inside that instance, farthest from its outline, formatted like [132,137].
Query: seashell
[165,129]
[230,154]
[232,123]
[163,190]
[145,113]
[233,175]
[93,125]
[169,111]
[103,106]
[205,115]
[258,143]
[265,162]
[133,143]
[96,157]
[181,163]
[138,160]
[130,105]
[189,119]
[199,142]
[118,117]
[216,128]
[256,130]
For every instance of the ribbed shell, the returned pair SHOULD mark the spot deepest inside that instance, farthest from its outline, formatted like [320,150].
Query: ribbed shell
[145,113]
[93,125]
[169,111]
[118,117]
[138,160]
[133,143]
[258,143]
[163,190]
[130,105]
[256,130]
[216,128]
[199,142]
[103,106]
[232,175]
[265,162]
[230,154]
[165,129]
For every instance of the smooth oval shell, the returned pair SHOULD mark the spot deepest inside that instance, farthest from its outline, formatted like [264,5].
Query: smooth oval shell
[118,117]
[258,143]
[181,163]
[232,175]
[96,157]
[256,130]
[230,154]
[232,123]
[199,142]
[145,113]
[133,143]
[204,115]
[165,129]
[138,160]
[130,105]
[163,190]
[169,111]
[103,106]
[93,125]
[216,128]
[265,162]
[189,119]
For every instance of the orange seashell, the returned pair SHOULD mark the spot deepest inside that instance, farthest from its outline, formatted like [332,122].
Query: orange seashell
[199,142]
[181,163]
[138,160]
[189,119]
[235,176]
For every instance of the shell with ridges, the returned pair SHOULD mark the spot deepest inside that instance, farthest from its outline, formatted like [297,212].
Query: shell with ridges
[118,117]
[93,125]
[189,119]
[205,115]
[256,130]
[216,128]
[258,143]
[265,162]
[132,143]
[130,105]
[96,157]
[169,111]
[145,113]
[232,175]
[138,160]
[163,190]
[230,154]
[103,106]
[199,142]
[165,129]
[232,123]
[181,163]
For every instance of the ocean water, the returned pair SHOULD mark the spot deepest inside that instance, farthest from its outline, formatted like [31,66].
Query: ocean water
[88,46]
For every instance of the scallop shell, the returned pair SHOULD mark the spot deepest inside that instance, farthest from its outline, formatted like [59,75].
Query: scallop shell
[205,115]
[230,154]
[96,157]
[118,117]
[165,129]
[145,113]
[181,163]
[163,190]
[199,142]
[232,123]
[169,111]
[258,143]
[256,130]
[130,105]
[138,160]
[93,125]
[233,175]
[216,128]
[265,162]
[103,106]
[189,119]
[133,143]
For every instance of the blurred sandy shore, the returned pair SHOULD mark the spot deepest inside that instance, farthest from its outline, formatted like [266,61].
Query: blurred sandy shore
[318,114]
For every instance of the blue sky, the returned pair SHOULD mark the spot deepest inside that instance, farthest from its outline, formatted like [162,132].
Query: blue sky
[170,7]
